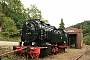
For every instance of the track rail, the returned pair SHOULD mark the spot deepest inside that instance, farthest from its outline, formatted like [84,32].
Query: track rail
[4,54]
[21,49]
[11,52]
[33,50]
[81,54]
[40,47]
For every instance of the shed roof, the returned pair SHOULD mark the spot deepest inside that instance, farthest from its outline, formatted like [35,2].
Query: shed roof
[73,30]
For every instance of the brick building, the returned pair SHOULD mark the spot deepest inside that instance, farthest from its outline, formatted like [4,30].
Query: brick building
[75,37]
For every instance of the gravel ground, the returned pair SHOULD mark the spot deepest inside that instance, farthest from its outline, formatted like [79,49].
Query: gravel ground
[70,54]
[3,43]
[86,55]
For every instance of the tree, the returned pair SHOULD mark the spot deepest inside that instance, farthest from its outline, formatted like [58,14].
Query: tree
[86,30]
[87,40]
[1,18]
[14,10]
[61,24]
[25,13]
[34,12]
[9,25]
[0,6]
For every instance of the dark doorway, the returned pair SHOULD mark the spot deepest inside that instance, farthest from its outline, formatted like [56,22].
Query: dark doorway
[72,40]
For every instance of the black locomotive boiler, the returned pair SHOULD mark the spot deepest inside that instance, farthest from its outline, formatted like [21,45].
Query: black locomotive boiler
[43,37]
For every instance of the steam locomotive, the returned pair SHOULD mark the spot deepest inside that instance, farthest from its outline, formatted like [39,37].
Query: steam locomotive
[42,37]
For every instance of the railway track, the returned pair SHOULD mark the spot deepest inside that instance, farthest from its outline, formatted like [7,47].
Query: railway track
[85,55]
[80,56]
[71,54]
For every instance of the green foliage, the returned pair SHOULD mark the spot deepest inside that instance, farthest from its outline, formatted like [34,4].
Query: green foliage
[85,26]
[13,15]
[9,27]
[34,12]
[1,18]
[13,6]
[86,30]
[61,24]
[87,39]
[0,7]
[5,37]
[13,9]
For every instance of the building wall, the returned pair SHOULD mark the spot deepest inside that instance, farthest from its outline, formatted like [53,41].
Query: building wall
[78,41]
[79,36]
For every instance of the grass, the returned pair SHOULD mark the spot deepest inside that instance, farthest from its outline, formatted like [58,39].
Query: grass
[10,39]
[13,39]
[4,37]
[14,57]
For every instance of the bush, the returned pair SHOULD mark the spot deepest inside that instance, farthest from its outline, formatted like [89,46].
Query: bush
[87,40]
[5,37]
[4,33]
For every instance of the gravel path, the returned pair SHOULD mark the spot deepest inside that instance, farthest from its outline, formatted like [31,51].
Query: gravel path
[3,43]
